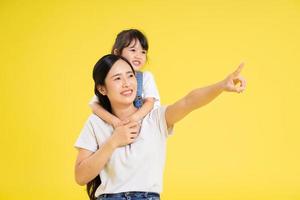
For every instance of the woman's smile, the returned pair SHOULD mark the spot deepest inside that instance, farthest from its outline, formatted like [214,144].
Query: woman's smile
[127,92]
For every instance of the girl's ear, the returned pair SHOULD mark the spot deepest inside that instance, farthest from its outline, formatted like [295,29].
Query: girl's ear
[101,89]
[116,52]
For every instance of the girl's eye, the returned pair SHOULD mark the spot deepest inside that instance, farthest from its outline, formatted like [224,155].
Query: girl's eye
[131,75]
[144,52]
[118,78]
[133,50]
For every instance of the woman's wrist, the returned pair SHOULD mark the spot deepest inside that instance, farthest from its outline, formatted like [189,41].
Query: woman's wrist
[221,85]
[112,143]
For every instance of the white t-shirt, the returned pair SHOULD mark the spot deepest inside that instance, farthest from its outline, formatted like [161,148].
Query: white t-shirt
[135,167]
[149,89]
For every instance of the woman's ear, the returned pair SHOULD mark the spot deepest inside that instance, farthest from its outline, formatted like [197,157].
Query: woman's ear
[116,52]
[101,89]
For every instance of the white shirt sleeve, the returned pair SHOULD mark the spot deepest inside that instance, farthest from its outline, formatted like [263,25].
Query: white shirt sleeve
[150,89]
[93,100]
[160,112]
[87,138]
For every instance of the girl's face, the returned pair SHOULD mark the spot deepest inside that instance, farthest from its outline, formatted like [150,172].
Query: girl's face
[135,54]
[120,84]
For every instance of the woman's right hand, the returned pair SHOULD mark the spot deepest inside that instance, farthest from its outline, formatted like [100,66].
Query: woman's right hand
[125,134]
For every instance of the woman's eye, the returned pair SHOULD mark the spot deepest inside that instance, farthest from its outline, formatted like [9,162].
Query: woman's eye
[144,52]
[131,75]
[133,50]
[118,78]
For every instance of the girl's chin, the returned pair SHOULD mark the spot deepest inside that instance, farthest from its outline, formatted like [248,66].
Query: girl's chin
[136,67]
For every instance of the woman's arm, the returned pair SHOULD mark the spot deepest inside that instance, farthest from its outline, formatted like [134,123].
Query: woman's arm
[202,96]
[89,164]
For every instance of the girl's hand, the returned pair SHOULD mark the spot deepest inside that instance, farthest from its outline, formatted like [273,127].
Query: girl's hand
[116,122]
[235,82]
[133,118]
[125,134]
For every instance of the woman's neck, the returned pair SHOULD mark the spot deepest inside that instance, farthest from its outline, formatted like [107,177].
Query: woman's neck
[123,112]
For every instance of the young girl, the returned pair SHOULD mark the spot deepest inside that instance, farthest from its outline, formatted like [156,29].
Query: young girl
[132,45]
[128,162]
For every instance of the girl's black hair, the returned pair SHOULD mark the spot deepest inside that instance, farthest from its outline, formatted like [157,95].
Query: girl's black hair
[100,71]
[124,38]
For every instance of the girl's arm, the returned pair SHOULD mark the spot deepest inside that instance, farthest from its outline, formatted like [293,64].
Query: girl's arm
[105,115]
[144,110]
[151,95]
[202,96]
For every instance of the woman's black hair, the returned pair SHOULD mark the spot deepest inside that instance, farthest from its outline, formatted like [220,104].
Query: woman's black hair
[124,38]
[100,71]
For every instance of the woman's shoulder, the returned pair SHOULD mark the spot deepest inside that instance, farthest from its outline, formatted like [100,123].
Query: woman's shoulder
[156,119]
[95,120]
[157,113]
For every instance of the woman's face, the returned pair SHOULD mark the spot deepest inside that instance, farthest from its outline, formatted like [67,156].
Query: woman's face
[120,84]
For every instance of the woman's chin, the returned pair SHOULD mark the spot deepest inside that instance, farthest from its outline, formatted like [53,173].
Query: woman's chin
[127,101]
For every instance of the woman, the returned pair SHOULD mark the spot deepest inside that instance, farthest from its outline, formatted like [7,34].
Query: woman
[130,158]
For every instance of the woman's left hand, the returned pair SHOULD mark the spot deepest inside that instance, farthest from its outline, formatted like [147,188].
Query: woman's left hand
[235,82]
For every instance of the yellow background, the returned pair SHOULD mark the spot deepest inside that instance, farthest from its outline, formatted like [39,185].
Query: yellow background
[241,146]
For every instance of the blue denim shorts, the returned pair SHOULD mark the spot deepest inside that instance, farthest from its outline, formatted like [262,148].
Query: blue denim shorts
[130,196]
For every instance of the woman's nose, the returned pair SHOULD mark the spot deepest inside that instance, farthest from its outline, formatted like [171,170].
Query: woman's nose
[125,83]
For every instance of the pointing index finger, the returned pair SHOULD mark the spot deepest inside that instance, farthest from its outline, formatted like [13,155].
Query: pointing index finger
[239,69]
